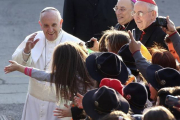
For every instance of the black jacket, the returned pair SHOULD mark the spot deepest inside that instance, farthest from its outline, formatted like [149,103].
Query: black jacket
[77,113]
[154,34]
[84,19]
[129,26]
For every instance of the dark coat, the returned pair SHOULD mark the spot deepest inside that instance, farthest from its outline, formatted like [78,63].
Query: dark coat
[84,19]
[129,26]
[154,34]
[77,113]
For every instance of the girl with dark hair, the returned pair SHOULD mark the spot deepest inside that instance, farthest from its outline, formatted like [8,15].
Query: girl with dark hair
[158,113]
[68,71]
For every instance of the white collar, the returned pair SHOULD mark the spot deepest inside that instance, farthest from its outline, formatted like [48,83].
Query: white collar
[38,48]
[57,40]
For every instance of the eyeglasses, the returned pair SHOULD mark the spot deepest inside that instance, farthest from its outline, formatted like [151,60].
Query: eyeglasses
[139,13]
[121,9]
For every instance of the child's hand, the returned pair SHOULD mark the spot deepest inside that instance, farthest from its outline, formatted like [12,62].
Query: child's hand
[61,113]
[78,100]
[96,44]
[12,67]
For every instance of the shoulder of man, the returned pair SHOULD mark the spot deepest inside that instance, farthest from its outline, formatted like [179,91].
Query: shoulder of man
[69,37]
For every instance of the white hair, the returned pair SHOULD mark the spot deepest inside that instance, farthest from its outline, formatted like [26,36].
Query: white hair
[47,9]
[153,7]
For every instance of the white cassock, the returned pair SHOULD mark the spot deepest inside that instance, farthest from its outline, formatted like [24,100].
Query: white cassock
[41,99]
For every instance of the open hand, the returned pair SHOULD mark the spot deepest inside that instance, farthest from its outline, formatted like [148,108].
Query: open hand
[61,113]
[30,43]
[12,67]
[78,100]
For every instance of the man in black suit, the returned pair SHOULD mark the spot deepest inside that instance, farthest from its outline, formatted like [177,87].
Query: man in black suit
[145,13]
[88,18]
[123,11]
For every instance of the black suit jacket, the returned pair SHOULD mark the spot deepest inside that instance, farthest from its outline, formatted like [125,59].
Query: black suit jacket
[85,20]
[154,34]
[130,26]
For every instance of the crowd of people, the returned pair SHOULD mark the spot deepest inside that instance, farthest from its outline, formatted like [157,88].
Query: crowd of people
[131,71]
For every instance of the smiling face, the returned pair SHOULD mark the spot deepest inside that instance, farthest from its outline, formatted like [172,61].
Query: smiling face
[123,11]
[51,24]
[148,16]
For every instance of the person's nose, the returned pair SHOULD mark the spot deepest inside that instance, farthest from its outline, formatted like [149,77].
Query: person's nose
[136,17]
[50,29]
[118,12]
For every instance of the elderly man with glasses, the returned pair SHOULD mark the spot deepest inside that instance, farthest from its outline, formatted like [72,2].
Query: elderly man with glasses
[145,13]
[36,51]
[123,11]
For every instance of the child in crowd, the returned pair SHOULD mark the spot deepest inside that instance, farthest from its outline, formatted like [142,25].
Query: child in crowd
[68,71]
[158,113]
[111,41]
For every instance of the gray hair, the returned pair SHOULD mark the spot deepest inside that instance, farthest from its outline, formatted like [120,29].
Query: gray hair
[47,9]
[153,7]
[132,3]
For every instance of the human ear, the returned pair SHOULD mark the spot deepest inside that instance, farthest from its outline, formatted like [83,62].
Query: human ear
[40,24]
[154,14]
[61,21]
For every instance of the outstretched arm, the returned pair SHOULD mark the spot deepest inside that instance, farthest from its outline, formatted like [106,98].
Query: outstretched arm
[14,66]
[32,72]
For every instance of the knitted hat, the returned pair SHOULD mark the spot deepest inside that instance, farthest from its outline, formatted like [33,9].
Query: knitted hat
[112,83]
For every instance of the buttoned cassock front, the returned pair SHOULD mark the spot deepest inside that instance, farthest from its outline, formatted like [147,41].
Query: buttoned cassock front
[41,99]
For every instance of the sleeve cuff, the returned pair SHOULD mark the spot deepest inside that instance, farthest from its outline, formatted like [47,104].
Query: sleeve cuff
[173,34]
[28,71]
[25,56]
[135,52]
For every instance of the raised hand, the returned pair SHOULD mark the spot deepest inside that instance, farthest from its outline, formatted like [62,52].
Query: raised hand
[30,43]
[133,45]
[96,44]
[170,27]
[78,100]
[12,67]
